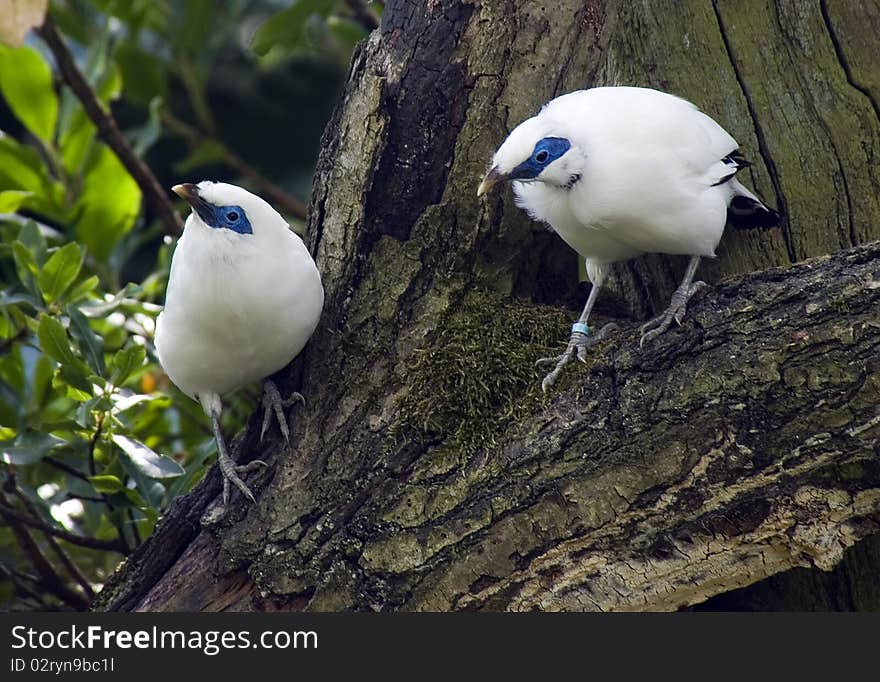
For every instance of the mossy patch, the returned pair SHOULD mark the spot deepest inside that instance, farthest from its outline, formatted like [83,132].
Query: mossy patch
[478,374]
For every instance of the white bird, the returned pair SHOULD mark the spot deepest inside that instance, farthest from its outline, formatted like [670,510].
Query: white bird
[619,172]
[243,298]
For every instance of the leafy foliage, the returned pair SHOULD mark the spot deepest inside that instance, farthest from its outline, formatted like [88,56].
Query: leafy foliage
[94,440]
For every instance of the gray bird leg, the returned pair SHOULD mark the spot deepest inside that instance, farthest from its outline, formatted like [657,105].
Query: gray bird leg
[677,306]
[228,468]
[273,403]
[578,343]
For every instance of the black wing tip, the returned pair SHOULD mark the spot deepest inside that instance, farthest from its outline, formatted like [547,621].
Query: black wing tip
[745,213]
[736,158]
[736,161]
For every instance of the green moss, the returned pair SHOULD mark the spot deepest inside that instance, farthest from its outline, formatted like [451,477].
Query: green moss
[478,374]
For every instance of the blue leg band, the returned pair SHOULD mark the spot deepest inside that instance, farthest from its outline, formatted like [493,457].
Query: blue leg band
[581,328]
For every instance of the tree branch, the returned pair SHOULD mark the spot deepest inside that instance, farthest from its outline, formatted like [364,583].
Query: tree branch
[21,584]
[71,568]
[48,576]
[66,468]
[154,195]
[72,538]
[575,508]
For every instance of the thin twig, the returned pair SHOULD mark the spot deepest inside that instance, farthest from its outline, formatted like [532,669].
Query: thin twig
[134,529]
[19,581]
[72,538]
[154,195]
[49,577]
[85,498]
[93,442]
[66,468]
[71,568]
[272,192]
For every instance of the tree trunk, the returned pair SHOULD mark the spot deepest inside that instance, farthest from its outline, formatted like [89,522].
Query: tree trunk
[429,471]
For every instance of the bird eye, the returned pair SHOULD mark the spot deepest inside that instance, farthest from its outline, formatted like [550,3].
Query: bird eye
[232,216]
[542,156]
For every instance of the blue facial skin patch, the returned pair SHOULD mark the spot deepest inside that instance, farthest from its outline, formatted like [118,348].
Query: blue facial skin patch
[224,217]
[545,152]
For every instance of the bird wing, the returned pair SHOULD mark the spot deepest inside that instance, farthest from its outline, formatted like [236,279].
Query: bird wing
[640,123]
[651,160]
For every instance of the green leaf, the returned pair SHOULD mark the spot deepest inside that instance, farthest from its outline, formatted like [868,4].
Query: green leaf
[26,84]
[109,203]
[60,271]
[12,371]
[56,344]
[31,236]
[12,199]
[20,166]
[107,307]
[18,17]
[7,299]
[287,27]
[75,384]
[27,268]
[145,460]
[24,260]
[42,381]
[91,345]
[106,483]
[125,362]
[54,341]
[29,447]
[76,140]
[83,289]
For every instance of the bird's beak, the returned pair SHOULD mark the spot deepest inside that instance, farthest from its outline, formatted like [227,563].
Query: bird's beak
[493,177]
[190,193]
[187,191]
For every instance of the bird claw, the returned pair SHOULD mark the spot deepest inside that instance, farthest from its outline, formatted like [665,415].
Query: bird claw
[577,348]
[273,403]
[231,476]
[676,311]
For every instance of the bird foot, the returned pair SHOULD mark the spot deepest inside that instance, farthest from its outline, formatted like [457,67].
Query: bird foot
[676,311]
[273,403]
[577,347]
[232,473]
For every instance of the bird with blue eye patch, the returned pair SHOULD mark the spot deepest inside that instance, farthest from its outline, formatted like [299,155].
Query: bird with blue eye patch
[619,172]
[243,298]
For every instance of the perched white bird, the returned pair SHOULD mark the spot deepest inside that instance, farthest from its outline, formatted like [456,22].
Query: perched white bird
[619,172]
[243,298]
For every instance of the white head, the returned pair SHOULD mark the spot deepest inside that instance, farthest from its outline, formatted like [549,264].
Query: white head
[538,150]
[232,211]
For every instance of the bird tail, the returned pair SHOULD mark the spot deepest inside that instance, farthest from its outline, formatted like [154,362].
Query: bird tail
[745,211]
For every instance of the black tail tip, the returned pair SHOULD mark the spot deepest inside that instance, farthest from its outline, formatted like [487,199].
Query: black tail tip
[745,213]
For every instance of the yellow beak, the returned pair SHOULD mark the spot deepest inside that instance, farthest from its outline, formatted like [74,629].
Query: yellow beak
[187,191]
[493,177]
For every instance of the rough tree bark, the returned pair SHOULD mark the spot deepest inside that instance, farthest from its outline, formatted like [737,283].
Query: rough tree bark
[429,472]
